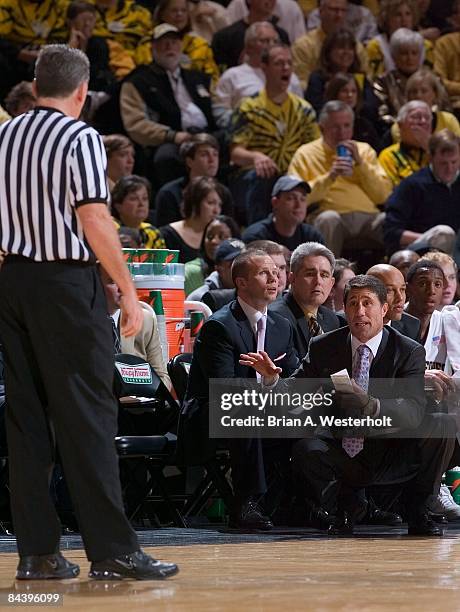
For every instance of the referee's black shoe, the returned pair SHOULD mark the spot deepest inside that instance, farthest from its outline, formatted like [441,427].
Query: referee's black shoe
[136,566]
[46,567]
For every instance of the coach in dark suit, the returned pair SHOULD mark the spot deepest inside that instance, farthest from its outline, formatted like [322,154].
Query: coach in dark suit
[369,350]
[395,284]
[231,331]
[311,280]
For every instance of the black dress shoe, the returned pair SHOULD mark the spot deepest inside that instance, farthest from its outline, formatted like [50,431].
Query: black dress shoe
[424,526]
[319,518]
[376,516]
[136,566]
[342,526]
[46,567]
[250,516]
[441,519]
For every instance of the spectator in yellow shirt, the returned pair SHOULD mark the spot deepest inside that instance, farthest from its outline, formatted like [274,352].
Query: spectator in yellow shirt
[447,61]
[400,160]
[426,86]
[346,181]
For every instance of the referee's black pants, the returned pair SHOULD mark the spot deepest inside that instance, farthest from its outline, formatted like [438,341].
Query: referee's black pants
[59,370]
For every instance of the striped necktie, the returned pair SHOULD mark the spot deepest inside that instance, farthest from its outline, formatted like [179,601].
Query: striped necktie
[314,326]
[353,446]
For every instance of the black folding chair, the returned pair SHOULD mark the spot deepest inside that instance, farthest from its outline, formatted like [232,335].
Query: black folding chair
[210,480]
[150,454]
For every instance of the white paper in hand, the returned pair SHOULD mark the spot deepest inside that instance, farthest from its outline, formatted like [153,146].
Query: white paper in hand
[342,382]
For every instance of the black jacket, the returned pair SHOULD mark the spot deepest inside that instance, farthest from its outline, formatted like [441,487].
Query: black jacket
[154,86]
[288,308]
[408,326]
[216,354]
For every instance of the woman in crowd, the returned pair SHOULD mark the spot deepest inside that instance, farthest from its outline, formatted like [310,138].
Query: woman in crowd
[338,54]
[407,48]
[120,157]
[394,14]
[219,229]
[344,87]
[130,208]
[425,85]
[202,204]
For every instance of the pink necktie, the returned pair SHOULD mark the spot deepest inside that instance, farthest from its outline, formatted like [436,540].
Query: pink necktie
[260,338]
[353,446]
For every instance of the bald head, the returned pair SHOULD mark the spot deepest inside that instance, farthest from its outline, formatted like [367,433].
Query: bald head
[395,284]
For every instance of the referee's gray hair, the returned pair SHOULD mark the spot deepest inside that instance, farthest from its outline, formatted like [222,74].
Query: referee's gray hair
[334,106]
[403,37]
[251,32]
[59,70]
[310,249]
[409,107]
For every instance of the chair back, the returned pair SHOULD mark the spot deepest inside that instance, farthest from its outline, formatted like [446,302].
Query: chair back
[178,370]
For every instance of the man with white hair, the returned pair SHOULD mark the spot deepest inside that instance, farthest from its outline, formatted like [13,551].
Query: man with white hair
[402,159]
[346,181]
[311,280]
[163,104]
[248,78]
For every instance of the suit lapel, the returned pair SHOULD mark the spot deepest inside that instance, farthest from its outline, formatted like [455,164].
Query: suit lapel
[270,337]
[302,322]
[246,333]
[348,356]
[376,362]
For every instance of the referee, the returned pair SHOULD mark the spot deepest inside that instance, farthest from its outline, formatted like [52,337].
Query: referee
[57,338]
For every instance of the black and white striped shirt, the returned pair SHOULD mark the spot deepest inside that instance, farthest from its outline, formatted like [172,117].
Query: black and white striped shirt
[49,165]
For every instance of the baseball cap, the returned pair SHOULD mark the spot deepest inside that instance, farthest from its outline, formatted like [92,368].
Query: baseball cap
[288,183]
[228,250]
[163,29]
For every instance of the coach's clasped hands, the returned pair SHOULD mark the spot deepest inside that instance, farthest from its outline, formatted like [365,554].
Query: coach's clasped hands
[357,403]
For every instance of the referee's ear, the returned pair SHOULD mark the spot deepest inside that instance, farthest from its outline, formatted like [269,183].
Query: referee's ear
[34,88]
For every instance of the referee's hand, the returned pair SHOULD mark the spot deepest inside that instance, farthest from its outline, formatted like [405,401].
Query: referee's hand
[131,315]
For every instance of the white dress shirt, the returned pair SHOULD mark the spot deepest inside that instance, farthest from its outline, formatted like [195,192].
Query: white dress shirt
[243,81]
[373,344]
[191,115]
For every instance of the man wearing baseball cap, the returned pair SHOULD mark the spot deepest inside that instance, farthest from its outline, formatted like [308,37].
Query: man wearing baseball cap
[178,99]
[286,224]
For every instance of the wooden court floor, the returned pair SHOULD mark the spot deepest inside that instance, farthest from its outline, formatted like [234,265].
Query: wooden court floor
[364,573]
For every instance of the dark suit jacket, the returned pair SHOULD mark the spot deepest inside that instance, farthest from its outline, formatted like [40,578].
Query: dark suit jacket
[408,326]
[398,357]
[216,354]
[154,86]
[288,308]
